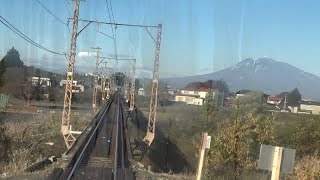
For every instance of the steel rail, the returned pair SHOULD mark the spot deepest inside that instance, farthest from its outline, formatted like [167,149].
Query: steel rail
[76,164]
[122,139]
[115,164]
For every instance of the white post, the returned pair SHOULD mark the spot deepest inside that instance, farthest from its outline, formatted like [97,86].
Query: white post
[201,156]
[276,164]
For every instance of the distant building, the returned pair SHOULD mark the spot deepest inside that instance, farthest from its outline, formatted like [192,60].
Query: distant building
[76,88]
[64,82]
[246,92]
[274,100]
[243,92]
[309,105]
[44,82]
[193,97]
[89,74]
[171,90]
[141,92]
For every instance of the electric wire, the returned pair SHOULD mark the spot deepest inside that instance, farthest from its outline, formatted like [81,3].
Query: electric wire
[51,12]
[65,3]
[26,38]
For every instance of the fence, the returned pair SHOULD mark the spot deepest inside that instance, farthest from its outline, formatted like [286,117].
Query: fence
[4,100]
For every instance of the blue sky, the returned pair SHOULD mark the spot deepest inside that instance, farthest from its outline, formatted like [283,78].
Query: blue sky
[198,36]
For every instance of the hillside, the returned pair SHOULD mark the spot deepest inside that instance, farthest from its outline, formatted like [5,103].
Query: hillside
[262,74]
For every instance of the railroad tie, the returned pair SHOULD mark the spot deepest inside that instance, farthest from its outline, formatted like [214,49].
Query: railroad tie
[99,162]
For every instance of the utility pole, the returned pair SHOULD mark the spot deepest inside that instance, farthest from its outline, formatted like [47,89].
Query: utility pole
[65,122]
[109,83]
[104,84]
[222,103]
[154,92]
[133,86]
[153,99]
[129,92]
[95,89]
[285,103]
[126,84]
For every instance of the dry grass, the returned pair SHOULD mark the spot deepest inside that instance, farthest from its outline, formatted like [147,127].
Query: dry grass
[307,168]
[27,138]
[19,161]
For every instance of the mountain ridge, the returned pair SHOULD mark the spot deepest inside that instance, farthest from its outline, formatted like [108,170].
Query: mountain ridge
[262,74]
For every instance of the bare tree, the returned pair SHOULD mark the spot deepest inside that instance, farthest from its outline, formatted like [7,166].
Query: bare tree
[27,91]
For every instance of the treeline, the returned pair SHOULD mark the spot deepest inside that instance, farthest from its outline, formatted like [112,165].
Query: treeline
[237,133]
[219,85]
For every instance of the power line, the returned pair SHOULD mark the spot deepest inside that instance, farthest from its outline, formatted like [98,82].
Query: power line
[65,3]
[117,24]
[109,17]
[50,12]
[105,34]
[55,15]
[111,11]
[26,38]
[115,28]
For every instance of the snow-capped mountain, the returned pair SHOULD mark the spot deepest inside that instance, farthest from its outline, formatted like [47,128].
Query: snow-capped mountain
[263,74]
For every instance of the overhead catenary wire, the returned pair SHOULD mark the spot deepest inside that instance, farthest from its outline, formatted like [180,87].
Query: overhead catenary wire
[65,3]
[109,15]
[105,34]
[51,12]
[110,12]
[26,38]
[55,15]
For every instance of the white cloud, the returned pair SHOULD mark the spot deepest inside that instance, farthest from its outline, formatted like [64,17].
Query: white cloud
[86,54]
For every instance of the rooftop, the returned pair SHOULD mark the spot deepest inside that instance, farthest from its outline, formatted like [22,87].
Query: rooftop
[189,95]
[314,103]
[275,98]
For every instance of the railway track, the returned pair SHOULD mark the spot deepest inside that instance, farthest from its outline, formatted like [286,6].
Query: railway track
[103,153]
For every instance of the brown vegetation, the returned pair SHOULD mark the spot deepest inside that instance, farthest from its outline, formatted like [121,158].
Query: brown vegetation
[24,140]
[237,133]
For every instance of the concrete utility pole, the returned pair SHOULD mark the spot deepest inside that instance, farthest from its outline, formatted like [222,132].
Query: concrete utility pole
[285,103]
[65,122]
[154,92]
[95,89]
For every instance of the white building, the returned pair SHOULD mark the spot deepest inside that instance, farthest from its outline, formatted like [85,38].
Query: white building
[311,106]
[171,90]
[274,100]
[78,88]
[64,82]
[43,81]
[141,92]
[193,97]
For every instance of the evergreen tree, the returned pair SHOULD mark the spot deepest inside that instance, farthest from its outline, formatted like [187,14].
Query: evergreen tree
[2,71]
[294,97]
[12,58]
[209,106]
